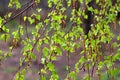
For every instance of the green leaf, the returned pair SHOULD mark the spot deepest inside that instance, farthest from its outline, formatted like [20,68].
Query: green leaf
[45,51]
[82,60]
[25,18]
[86,16]
[31,20]
[18,5]
[103,39]
[46,41]
[21,29]
[38,17]
[38,10]
[59,52]
[117,55]
[115,44]
[119,23]
[100,65]
[73,75]
[97,1]
[81,1]
[118,37]
[54,75]
[27,48]
[43,60]
[43,78]
[0,52]
[9,14]
[20,75]
[90,9]
[50,66]
[77,67]
[69,2]
[37,1]
[33,56]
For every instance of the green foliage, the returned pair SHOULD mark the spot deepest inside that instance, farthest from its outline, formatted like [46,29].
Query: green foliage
[20,75]
[55,36]
[14,2]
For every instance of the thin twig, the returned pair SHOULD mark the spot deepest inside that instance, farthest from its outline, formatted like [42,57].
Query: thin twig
[26,23]
[12,18]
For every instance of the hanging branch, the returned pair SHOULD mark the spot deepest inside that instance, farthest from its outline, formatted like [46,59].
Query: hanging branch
[20,17]
[12,18]
[26,23]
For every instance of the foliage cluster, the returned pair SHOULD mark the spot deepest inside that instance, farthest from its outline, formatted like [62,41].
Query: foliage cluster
[59,34]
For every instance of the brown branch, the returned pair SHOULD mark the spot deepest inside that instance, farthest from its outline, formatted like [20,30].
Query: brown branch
[26,23]
[12,18]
